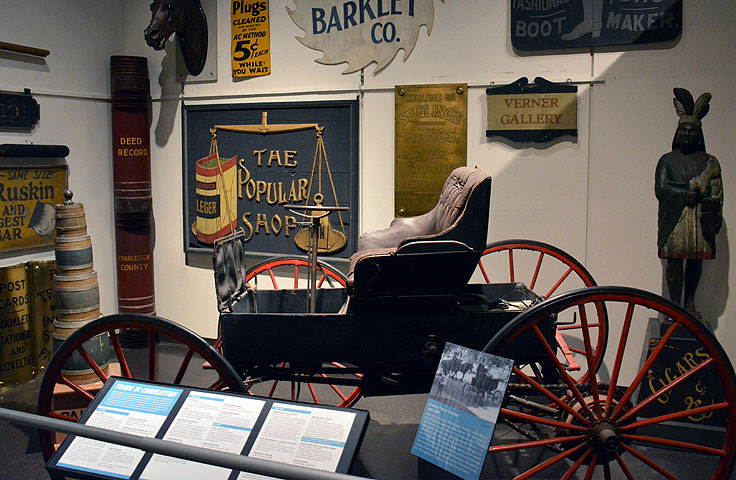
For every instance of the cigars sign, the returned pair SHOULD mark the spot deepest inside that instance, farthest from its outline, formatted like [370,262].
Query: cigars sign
[245,163]
[532,112]
[361,32]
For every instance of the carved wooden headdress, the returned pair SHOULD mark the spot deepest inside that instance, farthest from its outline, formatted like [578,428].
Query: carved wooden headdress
[689,110]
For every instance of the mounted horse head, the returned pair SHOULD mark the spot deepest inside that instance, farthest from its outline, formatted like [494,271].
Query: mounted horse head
[186,18]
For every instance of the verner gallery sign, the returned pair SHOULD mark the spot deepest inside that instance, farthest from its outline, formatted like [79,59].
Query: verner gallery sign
[361,32]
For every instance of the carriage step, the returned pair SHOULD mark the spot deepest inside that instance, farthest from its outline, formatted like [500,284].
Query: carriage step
[572,365]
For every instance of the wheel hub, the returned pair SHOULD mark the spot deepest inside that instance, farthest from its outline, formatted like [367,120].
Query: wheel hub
[605,440]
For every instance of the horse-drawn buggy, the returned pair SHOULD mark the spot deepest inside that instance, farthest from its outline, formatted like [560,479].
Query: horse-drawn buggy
[584,397]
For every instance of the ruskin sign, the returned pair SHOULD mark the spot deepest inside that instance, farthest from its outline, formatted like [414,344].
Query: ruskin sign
[562,24]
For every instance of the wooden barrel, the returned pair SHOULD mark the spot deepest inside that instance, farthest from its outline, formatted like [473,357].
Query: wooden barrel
[76,294]
[17,344]
[71,221]
[73,254]
[70,218]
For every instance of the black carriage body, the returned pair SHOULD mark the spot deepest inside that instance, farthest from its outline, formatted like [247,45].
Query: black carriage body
[394,343]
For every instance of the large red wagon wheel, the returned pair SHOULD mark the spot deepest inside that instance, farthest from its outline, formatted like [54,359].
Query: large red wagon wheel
[548,271]
[291,273]
[80,365]
[620,424]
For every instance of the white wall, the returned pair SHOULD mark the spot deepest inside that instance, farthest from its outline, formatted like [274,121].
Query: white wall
[593,198]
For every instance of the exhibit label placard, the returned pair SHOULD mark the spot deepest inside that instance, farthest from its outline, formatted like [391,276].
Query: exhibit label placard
[27,199]
[532,112]
[431,140]
[250,38]
[315,436]
[461,411]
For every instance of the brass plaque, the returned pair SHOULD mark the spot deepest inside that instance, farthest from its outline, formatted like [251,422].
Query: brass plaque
[431,129]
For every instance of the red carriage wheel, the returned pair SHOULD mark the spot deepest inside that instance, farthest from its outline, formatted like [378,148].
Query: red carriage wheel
[292,272]
[677,400]
[548,271]
[330,388]
[94,352]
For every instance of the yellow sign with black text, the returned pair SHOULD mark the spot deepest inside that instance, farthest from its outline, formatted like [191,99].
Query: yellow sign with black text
[27,199]
[251,38]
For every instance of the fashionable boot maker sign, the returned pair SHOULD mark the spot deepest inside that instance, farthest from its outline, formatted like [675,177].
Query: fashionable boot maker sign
[558,24]
[360,32]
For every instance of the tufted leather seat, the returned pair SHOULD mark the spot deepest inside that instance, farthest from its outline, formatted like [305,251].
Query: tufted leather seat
[430,253]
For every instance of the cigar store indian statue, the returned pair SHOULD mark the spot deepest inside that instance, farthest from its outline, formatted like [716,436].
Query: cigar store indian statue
[689,188]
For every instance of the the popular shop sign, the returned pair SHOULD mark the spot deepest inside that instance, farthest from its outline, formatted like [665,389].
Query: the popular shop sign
[361,32]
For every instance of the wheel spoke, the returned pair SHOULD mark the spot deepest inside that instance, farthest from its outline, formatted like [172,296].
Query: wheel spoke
[273,278]
[562,404]
[93,365]
[559,282]
[483,271]
[675,416]
[184,366]
[124,369]
[533,283]
[535,443]
[591,467]
[59,416]
[561,370]
[511,266]
[544,421]
[674,443]
[624,468]
[649,462]
[313,393]
[644,369]
[548,463]
[574,468]
[76,388]
[296,277]
[634,410]
[218,385]
[337,390]
[589,357]
[619,355]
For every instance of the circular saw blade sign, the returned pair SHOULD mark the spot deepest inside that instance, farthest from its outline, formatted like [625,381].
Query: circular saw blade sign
[360,32]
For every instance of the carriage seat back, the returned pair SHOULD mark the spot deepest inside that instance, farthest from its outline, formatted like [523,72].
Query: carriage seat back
[436,252]
[228,263]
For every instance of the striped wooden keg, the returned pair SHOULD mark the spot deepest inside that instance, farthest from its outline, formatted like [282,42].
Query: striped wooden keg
[73,254]
[70,218]
[76,294]
[78,303]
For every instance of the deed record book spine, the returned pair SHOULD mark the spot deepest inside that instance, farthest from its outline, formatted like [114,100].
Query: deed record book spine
[134,239]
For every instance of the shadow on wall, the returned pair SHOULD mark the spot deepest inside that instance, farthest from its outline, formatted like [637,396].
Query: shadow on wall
[170,91]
